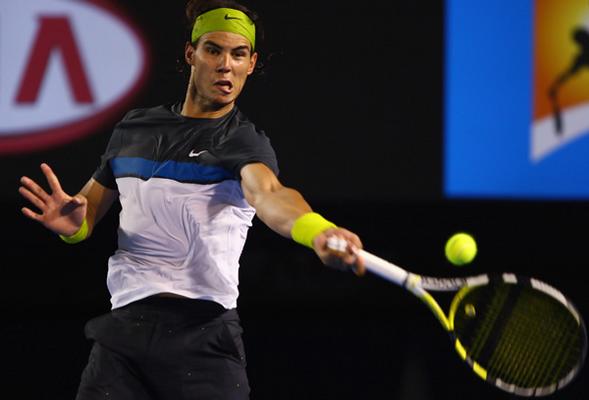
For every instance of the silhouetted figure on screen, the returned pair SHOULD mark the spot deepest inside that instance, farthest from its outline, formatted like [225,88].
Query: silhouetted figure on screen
[581,37]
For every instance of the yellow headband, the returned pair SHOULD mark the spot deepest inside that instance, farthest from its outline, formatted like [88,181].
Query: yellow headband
[225,20]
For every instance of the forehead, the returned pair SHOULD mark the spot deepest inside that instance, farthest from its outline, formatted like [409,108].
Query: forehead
[225,39]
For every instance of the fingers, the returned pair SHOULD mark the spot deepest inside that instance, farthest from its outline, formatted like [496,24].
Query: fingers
[351,238]
[342,248]
[51,178]
[30,214]
[352,259]
[360,268]
[33,188]
[27,194]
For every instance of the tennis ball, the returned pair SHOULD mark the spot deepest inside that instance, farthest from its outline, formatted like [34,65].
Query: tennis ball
[469,310]
[461,248]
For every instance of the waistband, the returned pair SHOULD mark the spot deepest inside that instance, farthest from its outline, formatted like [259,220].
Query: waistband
[171,309]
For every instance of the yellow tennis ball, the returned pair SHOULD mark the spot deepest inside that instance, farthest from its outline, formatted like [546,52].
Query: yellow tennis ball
[461,248]
[470,311]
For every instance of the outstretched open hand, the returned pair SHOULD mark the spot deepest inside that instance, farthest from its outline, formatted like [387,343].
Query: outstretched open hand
[58,211]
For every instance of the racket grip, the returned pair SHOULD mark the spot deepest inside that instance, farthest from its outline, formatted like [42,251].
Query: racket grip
[374,264]
[383,268]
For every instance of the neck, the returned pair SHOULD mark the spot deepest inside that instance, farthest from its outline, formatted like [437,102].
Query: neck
[196,107]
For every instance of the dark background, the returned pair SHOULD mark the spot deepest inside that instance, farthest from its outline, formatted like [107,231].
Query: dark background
[352,101]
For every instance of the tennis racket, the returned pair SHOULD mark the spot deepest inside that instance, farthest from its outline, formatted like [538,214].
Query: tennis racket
[517,333]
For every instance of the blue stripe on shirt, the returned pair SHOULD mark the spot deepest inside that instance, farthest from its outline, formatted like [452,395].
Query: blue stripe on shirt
[178,171]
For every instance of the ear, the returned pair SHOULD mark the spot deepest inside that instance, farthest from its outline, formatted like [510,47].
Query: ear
[189,50]
[253,61]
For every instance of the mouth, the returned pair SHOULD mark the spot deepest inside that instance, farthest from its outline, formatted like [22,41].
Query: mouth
[224,86]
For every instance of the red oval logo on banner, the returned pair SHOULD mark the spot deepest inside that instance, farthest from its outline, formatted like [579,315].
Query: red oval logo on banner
[66,70]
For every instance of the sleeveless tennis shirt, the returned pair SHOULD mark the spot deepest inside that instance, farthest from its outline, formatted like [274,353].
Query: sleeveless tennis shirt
[184,219]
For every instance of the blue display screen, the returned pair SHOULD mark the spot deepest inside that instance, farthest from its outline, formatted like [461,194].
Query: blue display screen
[500,135]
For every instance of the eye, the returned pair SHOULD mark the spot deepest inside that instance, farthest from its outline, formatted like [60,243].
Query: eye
[212,50]
[240,54]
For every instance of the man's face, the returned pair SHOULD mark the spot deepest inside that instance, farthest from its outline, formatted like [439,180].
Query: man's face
[220,65]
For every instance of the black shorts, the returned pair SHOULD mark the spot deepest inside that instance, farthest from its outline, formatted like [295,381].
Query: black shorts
[166,348]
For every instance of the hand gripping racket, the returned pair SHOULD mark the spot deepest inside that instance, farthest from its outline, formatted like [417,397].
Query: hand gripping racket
[517,333]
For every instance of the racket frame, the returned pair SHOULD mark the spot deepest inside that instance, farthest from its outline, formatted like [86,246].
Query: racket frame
[419,286]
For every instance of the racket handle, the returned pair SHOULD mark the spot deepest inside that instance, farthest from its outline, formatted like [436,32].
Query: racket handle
[374,264]
[384,268]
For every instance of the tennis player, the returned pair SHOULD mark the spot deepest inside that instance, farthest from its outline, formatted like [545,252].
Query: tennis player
[190,177]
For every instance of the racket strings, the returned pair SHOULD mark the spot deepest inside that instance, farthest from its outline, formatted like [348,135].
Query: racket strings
[556,361]
[537,343]
[481,336]
[520,335]
[566,357]
[515,353]
[526,352]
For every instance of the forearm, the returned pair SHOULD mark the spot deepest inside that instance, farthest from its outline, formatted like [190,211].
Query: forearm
[286,212]
[91,206]
[98,200]
[91,218]
[279,209]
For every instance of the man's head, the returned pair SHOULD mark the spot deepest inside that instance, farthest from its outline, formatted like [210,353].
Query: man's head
[220,51]
[224,20]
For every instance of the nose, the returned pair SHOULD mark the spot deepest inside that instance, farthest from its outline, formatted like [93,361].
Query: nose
[224,62]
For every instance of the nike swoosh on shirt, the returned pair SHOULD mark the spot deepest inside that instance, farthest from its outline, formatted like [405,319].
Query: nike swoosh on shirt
[227,16]
[196,154]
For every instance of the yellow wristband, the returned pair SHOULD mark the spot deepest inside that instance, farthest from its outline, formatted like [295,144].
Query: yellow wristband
[307,226]
[80,235]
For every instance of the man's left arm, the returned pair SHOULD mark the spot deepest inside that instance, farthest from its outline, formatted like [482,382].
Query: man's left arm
[282,209]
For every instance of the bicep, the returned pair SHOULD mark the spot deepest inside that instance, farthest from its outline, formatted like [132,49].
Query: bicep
[276,205]
[256,180]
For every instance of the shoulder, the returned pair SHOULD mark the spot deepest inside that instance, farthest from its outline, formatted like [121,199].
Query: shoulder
[138,121]
[240,143]
[237,120]
[147,114]
[242,129]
